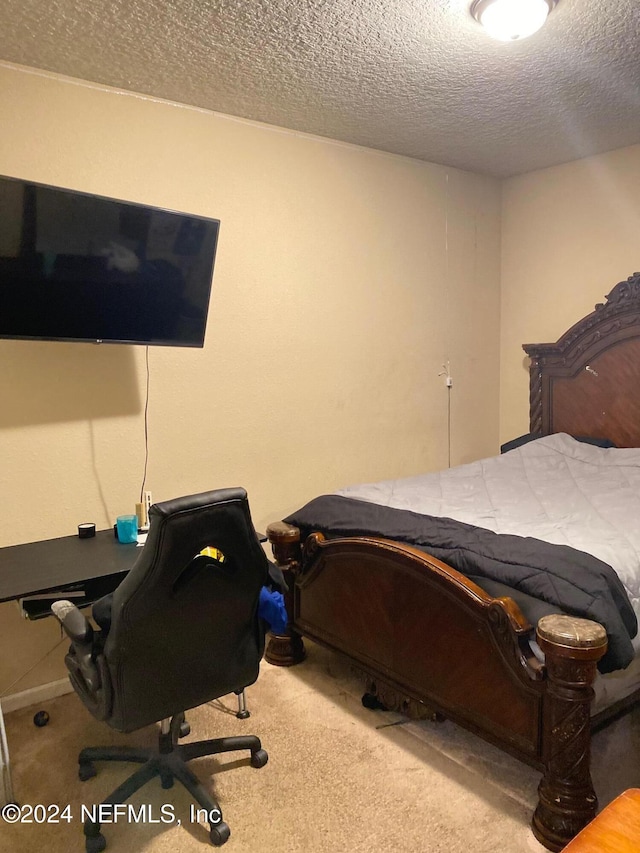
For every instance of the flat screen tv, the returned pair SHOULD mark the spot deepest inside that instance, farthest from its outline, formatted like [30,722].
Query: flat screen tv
[80,267]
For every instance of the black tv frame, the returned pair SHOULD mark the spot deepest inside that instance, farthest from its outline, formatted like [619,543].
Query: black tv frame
[213,234]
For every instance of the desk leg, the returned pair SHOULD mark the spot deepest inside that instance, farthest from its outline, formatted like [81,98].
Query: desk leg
[6,791]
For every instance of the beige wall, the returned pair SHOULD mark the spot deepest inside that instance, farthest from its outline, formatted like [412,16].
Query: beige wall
[569,234]
[344,279]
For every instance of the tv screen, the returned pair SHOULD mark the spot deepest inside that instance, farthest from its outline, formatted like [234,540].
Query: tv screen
[80,267]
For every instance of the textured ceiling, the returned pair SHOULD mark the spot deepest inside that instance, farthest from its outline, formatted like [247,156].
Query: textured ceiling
[414,77]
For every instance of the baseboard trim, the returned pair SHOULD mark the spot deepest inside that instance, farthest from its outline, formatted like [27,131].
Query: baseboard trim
[36,695]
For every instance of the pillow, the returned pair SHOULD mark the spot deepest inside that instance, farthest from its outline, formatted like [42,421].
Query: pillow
[532,436]
[518,442]
[597,442]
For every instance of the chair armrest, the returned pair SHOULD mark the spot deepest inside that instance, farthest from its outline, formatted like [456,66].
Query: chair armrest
[75,624]
[83,668]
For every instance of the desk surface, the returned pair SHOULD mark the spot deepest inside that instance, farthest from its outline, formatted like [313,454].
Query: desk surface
[38,567]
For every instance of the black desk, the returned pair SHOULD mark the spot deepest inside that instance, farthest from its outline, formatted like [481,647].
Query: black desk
[83,570]
[39,573]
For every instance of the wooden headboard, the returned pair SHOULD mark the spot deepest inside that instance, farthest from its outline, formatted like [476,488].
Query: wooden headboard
[588,383]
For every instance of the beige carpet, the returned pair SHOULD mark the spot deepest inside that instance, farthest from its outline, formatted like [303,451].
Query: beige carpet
[339,777]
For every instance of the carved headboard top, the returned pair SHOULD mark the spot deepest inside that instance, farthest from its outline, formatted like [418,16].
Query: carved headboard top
[588,382]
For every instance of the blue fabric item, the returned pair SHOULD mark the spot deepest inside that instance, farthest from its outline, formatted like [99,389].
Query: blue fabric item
[271,608]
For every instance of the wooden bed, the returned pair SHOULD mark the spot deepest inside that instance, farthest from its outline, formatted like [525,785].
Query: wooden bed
[431,641]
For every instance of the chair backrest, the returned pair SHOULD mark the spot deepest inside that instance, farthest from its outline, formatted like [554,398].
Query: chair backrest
[184,624]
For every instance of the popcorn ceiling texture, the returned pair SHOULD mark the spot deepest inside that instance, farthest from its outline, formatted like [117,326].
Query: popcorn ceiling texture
[413,77]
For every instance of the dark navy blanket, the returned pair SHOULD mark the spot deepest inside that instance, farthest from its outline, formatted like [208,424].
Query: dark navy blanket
[565,579]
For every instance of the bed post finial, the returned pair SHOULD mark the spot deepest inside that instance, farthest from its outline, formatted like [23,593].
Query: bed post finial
[567,800]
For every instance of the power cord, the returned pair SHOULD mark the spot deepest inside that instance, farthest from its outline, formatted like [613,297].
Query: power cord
[31,668]
[146,428]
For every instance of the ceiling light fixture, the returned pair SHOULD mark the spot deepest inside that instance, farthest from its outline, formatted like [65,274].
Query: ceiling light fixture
[509,20]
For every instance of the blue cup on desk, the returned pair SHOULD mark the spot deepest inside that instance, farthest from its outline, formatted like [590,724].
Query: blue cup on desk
[127,528]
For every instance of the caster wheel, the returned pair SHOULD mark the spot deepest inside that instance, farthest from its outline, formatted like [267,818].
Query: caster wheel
[166,781]
[95,843]
[219,834]
[259,758]
[86,771]
[185,729]
[41,719]
[243,715]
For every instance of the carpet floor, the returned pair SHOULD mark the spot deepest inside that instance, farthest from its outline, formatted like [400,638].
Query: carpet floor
[339,777]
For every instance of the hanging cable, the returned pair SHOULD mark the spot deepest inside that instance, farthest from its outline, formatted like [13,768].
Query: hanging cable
[22,675]
[449,386]
[447,324]
[146,427]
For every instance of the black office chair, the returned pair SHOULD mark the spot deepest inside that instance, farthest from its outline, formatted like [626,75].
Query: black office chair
[180,630]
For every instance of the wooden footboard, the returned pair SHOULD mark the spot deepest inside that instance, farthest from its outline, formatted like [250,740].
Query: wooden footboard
[434,637]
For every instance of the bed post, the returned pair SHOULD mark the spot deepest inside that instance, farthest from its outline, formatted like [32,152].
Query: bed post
[286,649]
[567,800]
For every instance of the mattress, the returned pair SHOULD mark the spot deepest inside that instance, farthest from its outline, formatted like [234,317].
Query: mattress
[555,489]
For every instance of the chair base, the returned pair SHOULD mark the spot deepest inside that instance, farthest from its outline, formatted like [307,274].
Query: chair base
[169,762]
